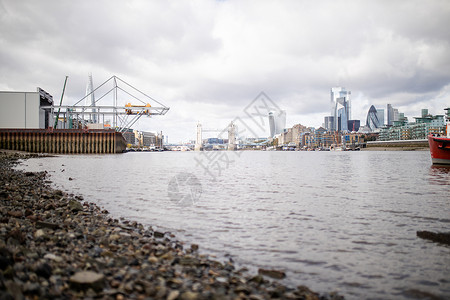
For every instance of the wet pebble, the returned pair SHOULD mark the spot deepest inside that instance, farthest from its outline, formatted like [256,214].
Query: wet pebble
[53,246]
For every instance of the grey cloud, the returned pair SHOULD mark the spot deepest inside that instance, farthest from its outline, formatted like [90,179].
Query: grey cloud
[223,53]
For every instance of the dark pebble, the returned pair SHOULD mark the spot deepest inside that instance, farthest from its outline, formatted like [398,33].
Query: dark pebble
[277,274]
[54,247]
[44,270]
[158,234]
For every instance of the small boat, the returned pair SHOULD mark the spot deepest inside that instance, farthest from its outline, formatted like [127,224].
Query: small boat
[440,145]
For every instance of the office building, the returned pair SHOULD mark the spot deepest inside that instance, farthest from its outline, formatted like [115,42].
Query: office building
[372,120]
[277,122]
[340,108]
[129,136]
[390,115]
[393,115]
[380,114]
[353,125]
[146,139]
[329,123]
[396,115]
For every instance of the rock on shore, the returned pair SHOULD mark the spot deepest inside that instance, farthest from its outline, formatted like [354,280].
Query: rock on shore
[53,246]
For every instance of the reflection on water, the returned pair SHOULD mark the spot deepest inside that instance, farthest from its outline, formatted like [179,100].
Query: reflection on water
[342,221]
[439,174]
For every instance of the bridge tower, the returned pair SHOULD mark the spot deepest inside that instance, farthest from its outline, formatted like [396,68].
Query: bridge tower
[199,140]
[232,137]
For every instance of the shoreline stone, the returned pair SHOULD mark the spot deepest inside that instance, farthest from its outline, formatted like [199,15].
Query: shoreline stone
[54,245]
[277,274]
[85,280]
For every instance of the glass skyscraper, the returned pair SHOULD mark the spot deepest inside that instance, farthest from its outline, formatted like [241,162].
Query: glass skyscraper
[277,122]
[372,121]
[390,115]
[329,123]
[380,114]
[340,108]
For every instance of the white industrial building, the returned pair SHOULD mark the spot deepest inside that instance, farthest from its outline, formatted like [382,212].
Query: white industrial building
[24,110]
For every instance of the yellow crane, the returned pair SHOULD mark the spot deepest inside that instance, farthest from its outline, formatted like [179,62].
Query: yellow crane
[129,111]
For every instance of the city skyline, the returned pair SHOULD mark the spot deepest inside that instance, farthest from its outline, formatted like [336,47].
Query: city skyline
[208,60]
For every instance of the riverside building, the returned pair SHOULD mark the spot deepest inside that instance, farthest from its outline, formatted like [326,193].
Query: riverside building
[419,130]
[26,110]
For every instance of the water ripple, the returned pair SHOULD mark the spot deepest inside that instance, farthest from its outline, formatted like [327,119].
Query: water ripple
[333,221]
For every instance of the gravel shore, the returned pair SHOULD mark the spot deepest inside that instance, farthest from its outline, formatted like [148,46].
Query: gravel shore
[55,245]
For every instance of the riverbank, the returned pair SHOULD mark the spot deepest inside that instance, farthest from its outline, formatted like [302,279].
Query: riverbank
[413,148]
[398,145]
[57,245]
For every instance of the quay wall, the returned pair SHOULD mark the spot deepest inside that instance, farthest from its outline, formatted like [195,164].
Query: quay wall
[398,144]
[63,141]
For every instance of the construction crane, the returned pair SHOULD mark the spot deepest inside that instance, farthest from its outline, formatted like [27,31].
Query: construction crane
[129,111]
[60,103]
[123,117]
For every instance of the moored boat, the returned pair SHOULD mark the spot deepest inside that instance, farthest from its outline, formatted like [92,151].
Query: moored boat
[440,145]
[439,149]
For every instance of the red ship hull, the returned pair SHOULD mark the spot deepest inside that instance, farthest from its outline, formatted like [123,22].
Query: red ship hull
[439,150]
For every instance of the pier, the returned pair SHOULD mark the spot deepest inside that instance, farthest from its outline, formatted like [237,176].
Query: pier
[63,141]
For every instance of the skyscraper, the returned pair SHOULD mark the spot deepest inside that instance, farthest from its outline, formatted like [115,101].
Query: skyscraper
[396,114]
[372,121]
[277,122]
[340,108]
[390,115]
[90,98]
[380,114]
[329,123]
[271,124]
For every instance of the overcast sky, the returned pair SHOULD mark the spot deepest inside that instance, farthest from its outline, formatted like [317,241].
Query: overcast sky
[207,60]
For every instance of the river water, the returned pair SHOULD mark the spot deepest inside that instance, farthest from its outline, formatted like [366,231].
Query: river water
[334,221]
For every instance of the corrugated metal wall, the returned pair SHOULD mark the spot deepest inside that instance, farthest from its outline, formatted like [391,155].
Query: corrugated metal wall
[64,141]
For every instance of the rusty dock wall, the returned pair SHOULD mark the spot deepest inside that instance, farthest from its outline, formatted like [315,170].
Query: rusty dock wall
[63,141]
[399,144]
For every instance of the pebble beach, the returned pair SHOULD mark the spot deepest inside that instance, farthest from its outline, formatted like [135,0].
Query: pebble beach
[56,245]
